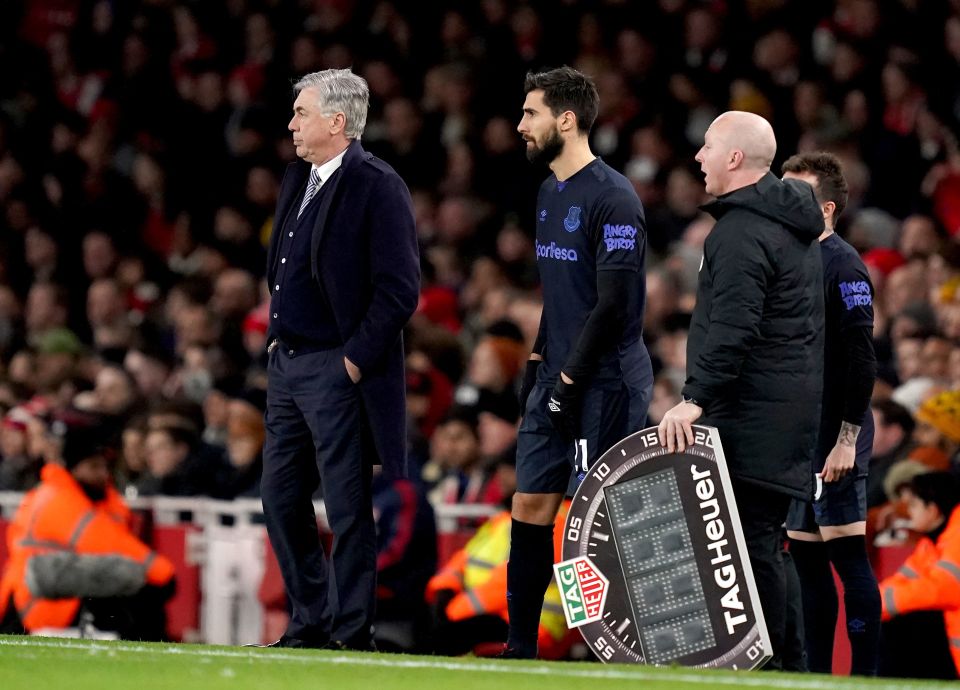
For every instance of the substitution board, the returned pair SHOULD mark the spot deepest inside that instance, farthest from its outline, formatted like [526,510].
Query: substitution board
[655,568]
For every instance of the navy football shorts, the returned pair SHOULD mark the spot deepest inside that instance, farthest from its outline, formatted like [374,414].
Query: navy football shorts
[842,502]
[547,464]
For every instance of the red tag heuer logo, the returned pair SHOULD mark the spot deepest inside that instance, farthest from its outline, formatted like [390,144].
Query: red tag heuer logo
[583,590]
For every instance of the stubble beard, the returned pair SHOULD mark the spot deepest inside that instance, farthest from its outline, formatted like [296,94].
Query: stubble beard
[546,154]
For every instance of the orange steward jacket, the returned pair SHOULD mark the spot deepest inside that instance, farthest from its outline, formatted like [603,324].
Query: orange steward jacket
[930,580]
[57,516]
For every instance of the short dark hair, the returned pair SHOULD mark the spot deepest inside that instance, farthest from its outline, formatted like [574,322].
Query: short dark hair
[564,88]
[892,412]
[939,488]
[831,184]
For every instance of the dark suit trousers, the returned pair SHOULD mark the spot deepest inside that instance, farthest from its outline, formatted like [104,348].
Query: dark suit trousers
[316,431]
[762,514]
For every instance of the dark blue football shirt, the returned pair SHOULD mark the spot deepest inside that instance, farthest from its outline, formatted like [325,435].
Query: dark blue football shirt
[848,301]
[591,222]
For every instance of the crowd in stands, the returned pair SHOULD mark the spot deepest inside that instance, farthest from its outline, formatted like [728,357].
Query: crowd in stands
[142,144]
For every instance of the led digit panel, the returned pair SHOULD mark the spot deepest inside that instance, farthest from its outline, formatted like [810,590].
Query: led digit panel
[655,568]
[659,566]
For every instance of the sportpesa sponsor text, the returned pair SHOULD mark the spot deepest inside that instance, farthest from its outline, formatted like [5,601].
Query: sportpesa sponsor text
[556,252]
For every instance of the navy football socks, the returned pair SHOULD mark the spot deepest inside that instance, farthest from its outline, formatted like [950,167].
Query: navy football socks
[528,576]
[820,602]
[861,598]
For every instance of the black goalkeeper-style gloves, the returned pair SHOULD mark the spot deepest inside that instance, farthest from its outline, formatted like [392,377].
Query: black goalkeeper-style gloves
[529,379]
[563,408]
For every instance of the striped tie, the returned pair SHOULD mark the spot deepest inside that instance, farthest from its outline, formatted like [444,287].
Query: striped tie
[312,186]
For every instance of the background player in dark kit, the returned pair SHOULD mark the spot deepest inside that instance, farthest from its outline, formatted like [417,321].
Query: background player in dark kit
[755,349]
[831,529]
[588,382]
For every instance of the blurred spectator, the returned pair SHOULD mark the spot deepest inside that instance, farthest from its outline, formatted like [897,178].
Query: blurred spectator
[98,568]
[663,294]
[46,308]
[671,348]
[406,560]
[429,395]
[469,596]
[19,470]
[244,449]
[99,255]
[666,394]
[215,417]
[178,465]
[893,431]
[107,315]
[938,424]
[456,469]
[150,366]
[495,363]
[415,155]
[113,396]
[914,392]
[234,294]
[132,464]
[921,602]
[918,237]
[255,334]
[58,353]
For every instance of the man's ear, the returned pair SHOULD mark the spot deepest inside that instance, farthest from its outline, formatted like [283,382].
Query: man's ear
[568,121]
[829,208]
[735,159]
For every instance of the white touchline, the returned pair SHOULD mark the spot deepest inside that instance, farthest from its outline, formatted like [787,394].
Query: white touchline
[761,680]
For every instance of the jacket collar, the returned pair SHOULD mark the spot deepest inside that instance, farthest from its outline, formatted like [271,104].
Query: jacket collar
[299,171]
[737,197]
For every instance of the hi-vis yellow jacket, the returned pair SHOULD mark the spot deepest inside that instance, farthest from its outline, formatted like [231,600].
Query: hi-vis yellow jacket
[478,573]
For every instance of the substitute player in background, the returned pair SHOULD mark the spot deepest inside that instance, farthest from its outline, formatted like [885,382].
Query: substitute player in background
[588,381]
[831,529]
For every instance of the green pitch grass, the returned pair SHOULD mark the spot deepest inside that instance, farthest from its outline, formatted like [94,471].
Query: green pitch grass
[30,663]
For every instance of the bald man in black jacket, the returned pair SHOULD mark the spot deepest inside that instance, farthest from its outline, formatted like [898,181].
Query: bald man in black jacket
[755,349]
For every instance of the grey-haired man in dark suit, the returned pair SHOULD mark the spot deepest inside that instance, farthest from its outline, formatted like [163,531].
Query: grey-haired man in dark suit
[344,278]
